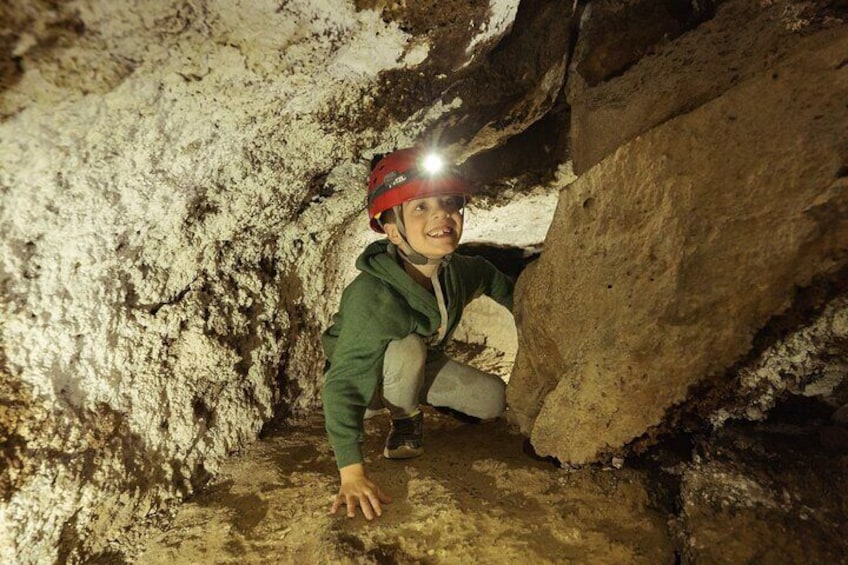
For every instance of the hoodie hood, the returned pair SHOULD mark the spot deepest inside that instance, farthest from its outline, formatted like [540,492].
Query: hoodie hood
[382,259]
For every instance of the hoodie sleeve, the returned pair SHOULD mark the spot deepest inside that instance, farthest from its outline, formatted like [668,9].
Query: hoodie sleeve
[371,316]
[493,283]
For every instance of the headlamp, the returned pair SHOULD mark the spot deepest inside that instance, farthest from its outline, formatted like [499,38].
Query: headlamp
[429,168]
[432,164]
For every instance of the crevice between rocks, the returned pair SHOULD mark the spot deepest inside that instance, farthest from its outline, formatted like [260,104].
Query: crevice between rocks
[509,260]
[686,439]
[692,415]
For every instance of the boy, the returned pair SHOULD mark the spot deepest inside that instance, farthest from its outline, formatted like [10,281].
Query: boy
[383,346]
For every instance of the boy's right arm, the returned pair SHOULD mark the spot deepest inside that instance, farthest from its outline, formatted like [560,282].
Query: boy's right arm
[355,370]
[349,385]
[344,406]
[356,489]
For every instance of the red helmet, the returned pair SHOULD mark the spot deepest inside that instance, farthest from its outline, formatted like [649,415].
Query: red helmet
[402,176]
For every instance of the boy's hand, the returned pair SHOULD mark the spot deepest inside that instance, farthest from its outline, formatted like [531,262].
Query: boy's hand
[356,488]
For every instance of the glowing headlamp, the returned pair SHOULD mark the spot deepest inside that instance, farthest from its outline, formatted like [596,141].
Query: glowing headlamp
[438,176]
[432,164]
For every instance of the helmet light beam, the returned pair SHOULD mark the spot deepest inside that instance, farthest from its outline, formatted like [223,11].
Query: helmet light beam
[433,164]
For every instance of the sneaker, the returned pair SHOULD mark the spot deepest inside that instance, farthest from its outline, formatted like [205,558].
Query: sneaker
[406,438]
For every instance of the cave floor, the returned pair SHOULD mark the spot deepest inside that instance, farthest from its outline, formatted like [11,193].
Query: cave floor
[475,497]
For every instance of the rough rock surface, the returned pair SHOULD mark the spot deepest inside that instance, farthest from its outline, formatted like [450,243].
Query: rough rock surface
[675,250]
[811,362]
[610,107]
[765,495]
[608,43]
[181,189]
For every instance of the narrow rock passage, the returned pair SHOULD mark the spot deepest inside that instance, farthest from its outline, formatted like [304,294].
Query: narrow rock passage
[474,497]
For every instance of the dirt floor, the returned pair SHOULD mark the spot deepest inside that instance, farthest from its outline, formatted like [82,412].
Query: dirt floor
[474,497]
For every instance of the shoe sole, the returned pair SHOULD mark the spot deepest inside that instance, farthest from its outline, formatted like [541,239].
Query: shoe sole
[402,452]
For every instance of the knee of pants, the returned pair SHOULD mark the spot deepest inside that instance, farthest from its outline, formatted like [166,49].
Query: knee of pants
[495,399]
[470,391]
[403,375]
[410,351]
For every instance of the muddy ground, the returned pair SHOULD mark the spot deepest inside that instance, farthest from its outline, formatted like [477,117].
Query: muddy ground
[475,496]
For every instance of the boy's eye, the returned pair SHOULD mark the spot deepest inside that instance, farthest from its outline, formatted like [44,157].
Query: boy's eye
[453,203]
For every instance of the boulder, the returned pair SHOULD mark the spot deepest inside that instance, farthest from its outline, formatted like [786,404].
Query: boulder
[665,259]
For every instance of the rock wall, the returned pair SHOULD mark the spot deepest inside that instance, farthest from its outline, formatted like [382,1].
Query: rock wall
[149,244]
[666,258]
[181,188]
[809,362]
[762,496]
[627,79]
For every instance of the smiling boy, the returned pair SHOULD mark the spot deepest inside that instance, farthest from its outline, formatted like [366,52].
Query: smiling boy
[384,347]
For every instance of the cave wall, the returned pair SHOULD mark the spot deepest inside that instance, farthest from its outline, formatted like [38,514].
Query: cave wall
[667,257]
[181,189]
[181,186]
[149,244]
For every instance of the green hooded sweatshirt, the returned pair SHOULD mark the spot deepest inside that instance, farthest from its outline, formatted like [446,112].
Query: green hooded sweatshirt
[381,305]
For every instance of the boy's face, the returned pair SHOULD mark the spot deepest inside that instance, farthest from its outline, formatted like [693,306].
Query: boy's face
[433,225]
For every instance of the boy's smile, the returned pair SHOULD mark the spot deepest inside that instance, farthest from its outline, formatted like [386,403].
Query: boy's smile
[434,224]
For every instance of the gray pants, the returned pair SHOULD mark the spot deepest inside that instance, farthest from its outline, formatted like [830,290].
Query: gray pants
[414,375]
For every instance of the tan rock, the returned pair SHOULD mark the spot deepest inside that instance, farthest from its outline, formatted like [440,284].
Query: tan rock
[665,259]
[742,40]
